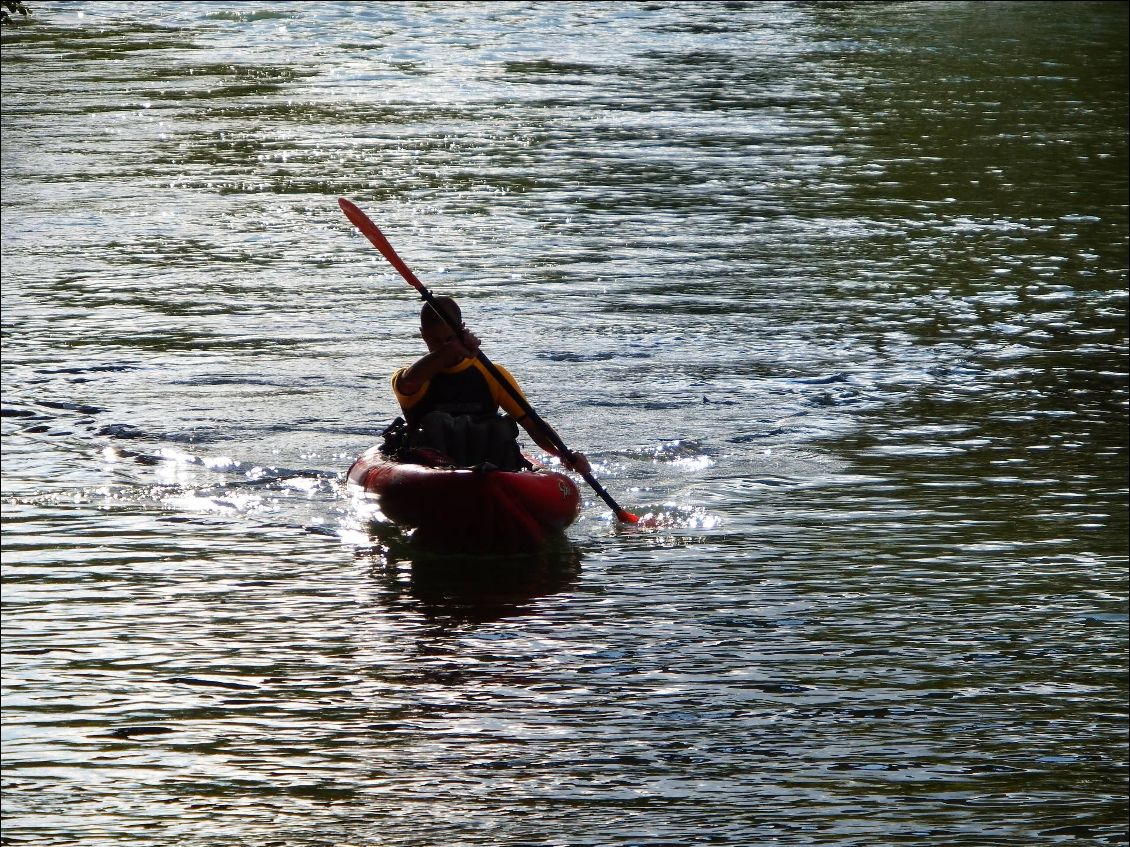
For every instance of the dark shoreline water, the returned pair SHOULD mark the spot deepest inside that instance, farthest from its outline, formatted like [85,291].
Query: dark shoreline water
[837,290]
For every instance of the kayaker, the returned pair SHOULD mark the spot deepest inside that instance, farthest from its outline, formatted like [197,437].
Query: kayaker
[447,395]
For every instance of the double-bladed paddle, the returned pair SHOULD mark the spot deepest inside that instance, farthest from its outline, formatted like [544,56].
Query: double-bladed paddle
[370,231]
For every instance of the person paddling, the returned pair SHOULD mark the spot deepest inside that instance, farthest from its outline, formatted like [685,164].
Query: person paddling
[451,401]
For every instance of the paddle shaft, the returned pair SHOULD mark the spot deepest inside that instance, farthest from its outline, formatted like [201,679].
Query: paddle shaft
[376,237]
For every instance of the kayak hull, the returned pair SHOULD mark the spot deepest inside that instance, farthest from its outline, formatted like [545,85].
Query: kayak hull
[469,510]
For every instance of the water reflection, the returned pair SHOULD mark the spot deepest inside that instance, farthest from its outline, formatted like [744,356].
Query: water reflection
[454,589]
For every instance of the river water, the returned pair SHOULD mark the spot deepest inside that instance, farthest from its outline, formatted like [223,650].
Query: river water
[836,292]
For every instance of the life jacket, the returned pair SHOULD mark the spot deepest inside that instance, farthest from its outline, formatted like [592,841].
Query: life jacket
[464,392]
[462,441]
[457,418]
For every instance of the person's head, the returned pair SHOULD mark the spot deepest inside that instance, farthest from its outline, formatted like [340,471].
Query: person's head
[434,329]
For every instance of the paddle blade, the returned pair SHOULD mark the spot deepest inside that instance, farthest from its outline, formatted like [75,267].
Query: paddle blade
[627,517]
[369,229]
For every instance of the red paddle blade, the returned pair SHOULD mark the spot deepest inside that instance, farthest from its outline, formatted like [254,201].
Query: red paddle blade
[369,229]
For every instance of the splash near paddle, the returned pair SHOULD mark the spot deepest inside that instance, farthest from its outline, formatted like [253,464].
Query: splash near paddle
[369,229]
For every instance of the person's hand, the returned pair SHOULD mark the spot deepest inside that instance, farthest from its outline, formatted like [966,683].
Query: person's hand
[578,464]
[459,347]
[470,343]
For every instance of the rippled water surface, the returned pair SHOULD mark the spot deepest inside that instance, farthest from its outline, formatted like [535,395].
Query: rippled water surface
[836,292]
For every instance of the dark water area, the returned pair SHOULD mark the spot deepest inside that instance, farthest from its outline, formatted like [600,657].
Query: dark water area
[836,292]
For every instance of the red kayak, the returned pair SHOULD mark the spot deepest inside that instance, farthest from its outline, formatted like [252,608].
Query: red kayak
[469,510]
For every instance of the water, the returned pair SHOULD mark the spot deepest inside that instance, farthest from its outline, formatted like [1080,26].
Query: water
[837,292]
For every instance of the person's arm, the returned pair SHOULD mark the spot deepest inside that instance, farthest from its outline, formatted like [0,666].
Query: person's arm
[448,355]
[541,432]
[543,435]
